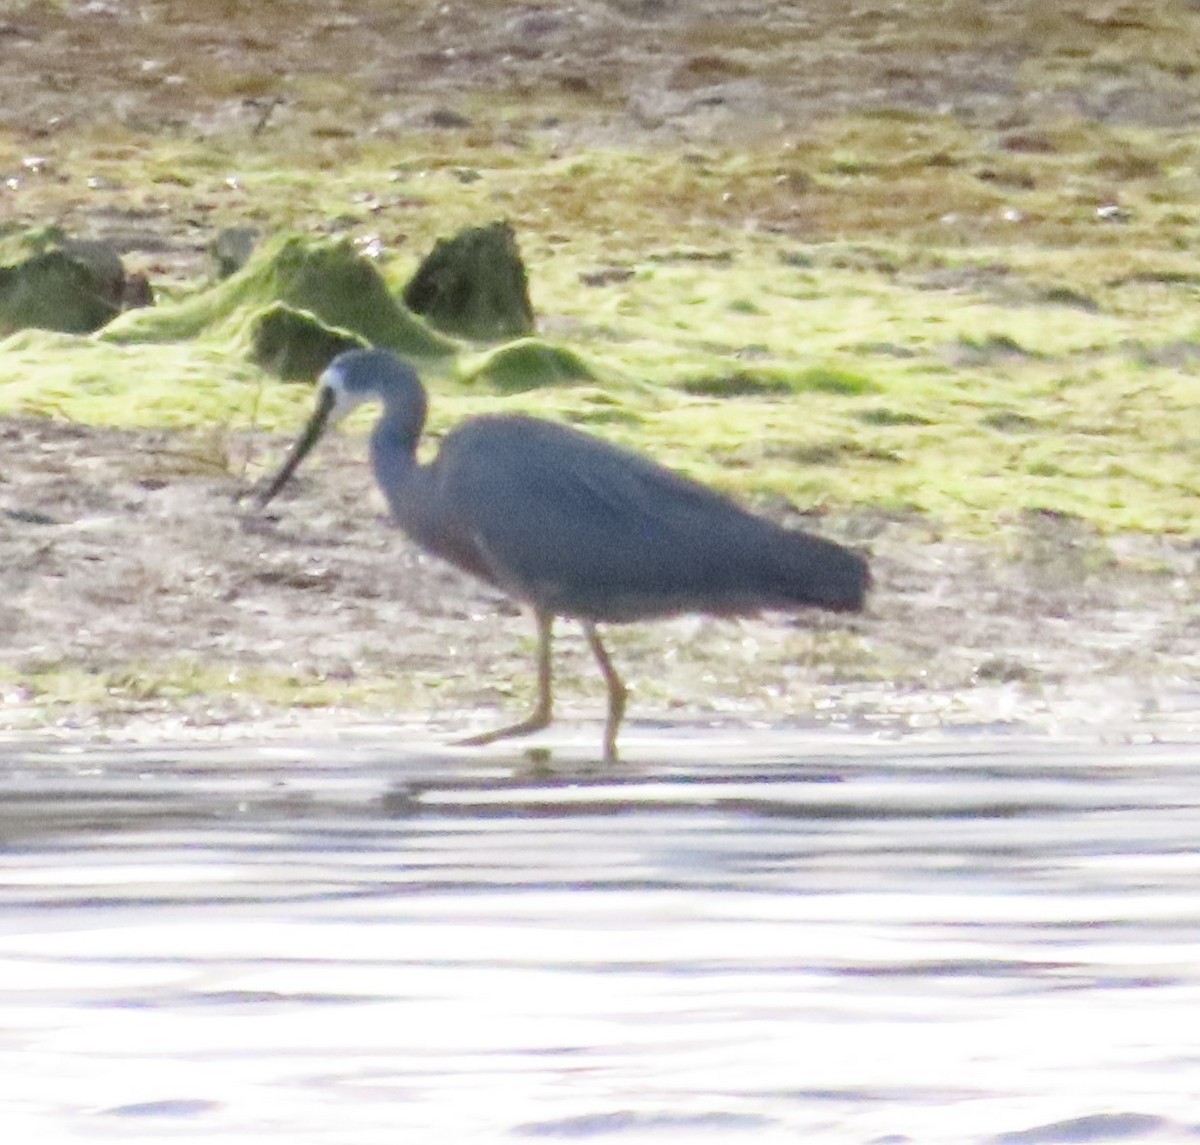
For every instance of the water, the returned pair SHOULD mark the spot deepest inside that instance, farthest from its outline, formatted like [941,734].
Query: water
[767,939]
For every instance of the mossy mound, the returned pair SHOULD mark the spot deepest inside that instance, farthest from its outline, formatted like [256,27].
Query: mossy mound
[52,291]
[328,279]
[232,249]
[294,344]
[474,285]
[52,282]
[528,364]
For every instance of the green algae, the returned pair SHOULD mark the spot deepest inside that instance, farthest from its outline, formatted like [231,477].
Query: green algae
[49,281]
[232,249]
[52,291]
[184,385]
[474,285]
[328,279]
[528,364]
[968,395]
[295,345]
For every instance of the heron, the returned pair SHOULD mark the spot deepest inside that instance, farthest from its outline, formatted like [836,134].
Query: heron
[571,525]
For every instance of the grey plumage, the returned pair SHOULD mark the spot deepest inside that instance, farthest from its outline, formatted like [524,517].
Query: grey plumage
[573,525]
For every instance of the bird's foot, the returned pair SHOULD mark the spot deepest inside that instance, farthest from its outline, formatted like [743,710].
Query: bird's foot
[534,723]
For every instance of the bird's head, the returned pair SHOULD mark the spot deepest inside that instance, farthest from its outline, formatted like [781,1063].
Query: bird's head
[359,376]
[352,378]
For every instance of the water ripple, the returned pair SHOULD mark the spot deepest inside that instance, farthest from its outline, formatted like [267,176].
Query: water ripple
[836,940]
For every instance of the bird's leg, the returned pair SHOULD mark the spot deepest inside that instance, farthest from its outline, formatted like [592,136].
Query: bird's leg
[617,692]
[543,709]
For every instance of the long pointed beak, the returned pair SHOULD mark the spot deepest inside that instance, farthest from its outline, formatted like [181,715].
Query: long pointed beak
[302,446]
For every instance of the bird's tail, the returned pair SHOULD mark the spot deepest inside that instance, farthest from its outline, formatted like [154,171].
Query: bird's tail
[814,571]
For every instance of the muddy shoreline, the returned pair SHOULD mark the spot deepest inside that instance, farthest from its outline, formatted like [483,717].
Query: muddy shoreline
[140,592]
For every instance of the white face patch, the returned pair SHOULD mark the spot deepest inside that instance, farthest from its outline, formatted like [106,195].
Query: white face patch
[344,399]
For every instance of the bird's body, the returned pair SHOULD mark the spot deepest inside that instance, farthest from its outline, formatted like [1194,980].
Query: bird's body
[573,525]
[583,529]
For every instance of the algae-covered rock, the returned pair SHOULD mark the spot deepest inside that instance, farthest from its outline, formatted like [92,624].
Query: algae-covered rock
[329,279]
[54,291]
[49,281]
[231,250]
[294,344]
[529,364]
[474,284]
[105,266]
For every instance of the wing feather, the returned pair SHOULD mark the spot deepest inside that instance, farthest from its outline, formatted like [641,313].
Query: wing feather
[585,528]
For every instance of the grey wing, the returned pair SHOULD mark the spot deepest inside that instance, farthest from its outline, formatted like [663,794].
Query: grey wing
[583,528]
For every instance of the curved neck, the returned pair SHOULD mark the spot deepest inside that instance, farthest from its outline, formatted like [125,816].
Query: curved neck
[394,450]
